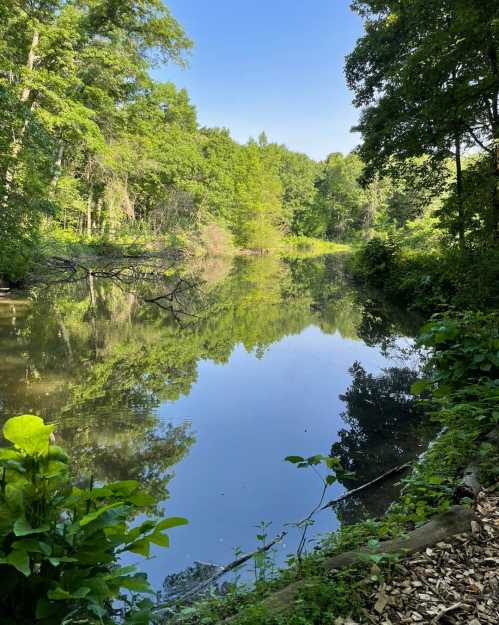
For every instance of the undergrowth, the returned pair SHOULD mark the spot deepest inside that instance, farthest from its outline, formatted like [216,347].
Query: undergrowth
[429,281]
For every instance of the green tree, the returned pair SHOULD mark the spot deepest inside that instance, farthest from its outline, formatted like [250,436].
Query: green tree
[258,195]
[427,74]
[57,112]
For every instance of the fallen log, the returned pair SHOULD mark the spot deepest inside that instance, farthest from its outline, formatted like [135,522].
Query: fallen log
[457,520]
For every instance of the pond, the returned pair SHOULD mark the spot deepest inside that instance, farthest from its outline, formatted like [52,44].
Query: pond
[199,380]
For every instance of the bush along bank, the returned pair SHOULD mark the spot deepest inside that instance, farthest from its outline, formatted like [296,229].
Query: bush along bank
[335,584]
[429,281]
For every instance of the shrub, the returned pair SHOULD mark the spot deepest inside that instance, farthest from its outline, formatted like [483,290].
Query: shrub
[60,544]
[375,260]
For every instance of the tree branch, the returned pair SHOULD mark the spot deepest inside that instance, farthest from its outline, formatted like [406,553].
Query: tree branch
[376,480]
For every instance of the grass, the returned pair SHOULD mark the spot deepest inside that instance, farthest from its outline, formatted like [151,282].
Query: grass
[307,247]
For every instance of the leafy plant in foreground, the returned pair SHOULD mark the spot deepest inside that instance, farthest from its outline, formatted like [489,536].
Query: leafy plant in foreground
[60,544]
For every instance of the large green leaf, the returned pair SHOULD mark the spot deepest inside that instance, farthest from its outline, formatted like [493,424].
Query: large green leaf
[159,539]
[32,546]
[60,594]
[92,516]
[141,547]
[19,560]
[28,433]
[7,453]
[137,582]
[23,528]
[141,500]
[124,488]
[144,527]
[173,521]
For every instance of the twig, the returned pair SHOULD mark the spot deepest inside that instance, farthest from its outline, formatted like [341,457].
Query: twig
[306,521]
[380,478]
[222,571]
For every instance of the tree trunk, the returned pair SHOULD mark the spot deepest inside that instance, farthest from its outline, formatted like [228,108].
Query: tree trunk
[17,144]
[494,214]
[89,211]
[26,92]
[459,191]
[494,219]
[57,168]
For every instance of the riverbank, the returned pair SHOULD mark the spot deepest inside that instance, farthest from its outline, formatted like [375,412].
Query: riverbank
[455,582]
[429,280]
[210,242]
[463,401]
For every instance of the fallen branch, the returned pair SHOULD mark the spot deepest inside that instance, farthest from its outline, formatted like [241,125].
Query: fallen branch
[376,480]
[442,527]
[222,571]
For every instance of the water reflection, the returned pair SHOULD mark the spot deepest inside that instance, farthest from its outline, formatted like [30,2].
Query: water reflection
[384,431]
[212,372]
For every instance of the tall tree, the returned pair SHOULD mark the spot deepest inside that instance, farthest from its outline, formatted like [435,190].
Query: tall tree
[425,73]
[68,68]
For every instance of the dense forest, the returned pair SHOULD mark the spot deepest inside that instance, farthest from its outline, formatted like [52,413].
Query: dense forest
[92,148]
[99,159]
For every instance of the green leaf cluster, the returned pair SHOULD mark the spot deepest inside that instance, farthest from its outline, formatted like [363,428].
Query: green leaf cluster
[60,544]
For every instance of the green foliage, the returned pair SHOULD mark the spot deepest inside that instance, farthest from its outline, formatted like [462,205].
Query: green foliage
[429,280]
[375,261]
[414,73]
[465,349]
[60,544]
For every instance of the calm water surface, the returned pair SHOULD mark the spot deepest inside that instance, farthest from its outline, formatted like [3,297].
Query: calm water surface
[201,394]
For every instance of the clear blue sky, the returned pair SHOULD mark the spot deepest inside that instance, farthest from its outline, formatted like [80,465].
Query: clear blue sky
[273,65]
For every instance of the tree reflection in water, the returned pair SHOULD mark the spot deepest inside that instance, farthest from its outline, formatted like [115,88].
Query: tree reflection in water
[385,431]
[97,358]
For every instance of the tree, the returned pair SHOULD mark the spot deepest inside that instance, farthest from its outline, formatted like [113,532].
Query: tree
[382,416]
[258,195]
[69,67]
[341,203]
[426,71]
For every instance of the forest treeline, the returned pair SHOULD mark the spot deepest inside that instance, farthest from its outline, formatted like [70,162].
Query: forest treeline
[93,147]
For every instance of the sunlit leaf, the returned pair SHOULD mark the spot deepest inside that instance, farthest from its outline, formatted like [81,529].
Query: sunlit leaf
[28,433]
[92,516]
[174,521]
